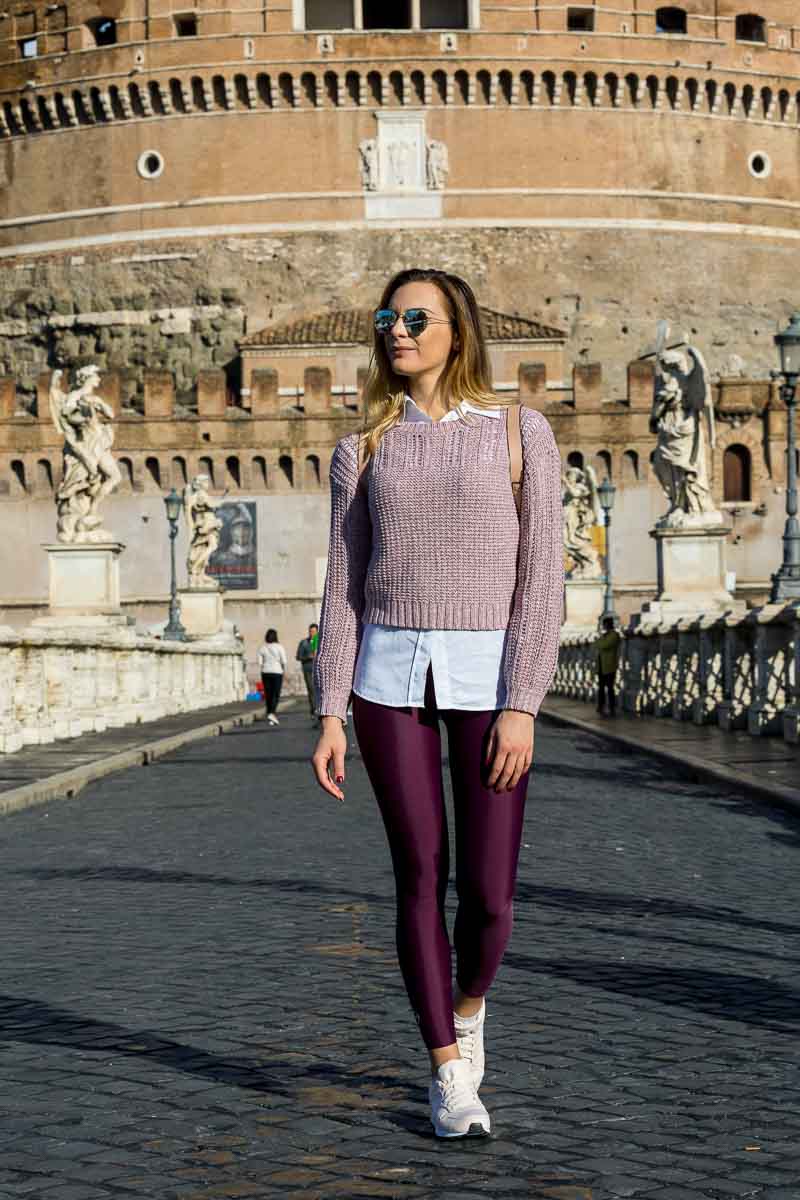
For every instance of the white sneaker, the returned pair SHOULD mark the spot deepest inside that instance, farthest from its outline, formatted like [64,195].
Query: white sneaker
[469,1035]
[273,720]
[456,1110]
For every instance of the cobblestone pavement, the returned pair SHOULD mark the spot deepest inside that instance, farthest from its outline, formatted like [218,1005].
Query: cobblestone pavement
[201,998]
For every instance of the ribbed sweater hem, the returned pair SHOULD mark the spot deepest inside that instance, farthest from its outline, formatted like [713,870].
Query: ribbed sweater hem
[439,614]
[524,699]
[333,703]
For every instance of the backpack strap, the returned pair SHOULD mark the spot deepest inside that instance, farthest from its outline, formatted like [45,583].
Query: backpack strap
[362,461]
[514,453]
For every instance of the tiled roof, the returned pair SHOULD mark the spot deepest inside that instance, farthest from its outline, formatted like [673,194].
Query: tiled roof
[353,326]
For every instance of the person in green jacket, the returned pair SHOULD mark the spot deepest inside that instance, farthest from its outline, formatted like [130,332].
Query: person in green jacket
[306,652]
[606,648]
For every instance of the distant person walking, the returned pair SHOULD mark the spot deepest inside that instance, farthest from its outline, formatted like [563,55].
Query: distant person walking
[306,653]
[272,663]
[606,648]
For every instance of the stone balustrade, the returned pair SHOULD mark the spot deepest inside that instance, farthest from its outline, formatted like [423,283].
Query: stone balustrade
[59,686]
[735,672]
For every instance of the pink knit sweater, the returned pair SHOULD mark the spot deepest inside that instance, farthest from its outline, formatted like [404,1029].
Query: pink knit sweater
[438,545]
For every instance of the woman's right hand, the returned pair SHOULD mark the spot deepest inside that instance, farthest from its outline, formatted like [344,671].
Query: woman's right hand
[329,755]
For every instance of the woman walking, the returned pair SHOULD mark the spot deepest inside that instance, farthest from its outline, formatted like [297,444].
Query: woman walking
[443,599]
[272,664]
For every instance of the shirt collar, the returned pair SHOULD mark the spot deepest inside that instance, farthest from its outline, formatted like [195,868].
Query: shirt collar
[414,413]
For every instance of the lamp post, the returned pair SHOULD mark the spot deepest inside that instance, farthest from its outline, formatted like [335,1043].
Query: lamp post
[786,580]
[606,493]
[173,631]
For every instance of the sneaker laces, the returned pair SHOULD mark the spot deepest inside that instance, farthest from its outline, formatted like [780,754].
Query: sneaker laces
[450,1089]
[466,1043]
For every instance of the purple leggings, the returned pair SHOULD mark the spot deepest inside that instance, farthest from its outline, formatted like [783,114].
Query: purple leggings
[402,753]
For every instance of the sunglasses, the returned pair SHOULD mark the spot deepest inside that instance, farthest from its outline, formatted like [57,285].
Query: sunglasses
[415,320]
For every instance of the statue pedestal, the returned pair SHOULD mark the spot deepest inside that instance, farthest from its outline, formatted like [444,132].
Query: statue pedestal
[84,584]
[201,610]
[584,604]
[691,574]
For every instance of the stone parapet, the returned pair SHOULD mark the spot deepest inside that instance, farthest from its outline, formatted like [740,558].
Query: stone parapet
[60,684]
[727,669]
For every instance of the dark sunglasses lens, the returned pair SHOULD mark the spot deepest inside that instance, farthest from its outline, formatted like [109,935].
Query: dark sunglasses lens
[415,320]
[385,319]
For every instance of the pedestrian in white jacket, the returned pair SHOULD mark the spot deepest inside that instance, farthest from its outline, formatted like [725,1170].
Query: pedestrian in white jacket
[272,663]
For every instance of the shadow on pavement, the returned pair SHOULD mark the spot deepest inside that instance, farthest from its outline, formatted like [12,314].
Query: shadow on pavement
[744,998]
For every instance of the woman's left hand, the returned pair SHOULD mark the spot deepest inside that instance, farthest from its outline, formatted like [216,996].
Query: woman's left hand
[511,747]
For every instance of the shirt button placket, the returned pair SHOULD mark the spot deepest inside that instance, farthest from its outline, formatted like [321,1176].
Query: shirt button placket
[419,670]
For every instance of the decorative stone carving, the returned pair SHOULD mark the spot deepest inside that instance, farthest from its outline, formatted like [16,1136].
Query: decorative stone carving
[681,403]
[400,163]
[368,156]
[581,513]
[733,367]
[437,164]
[204,528]
[90,473]
[402,178]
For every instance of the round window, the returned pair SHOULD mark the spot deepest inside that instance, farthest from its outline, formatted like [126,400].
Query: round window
[150,164]
[759,164]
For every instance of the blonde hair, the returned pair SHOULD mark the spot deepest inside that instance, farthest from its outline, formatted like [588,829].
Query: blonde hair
[466,375]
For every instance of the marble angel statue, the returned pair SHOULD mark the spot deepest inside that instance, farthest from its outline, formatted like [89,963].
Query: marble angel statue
[682,407]
[581,512]
[90,472]
[204,529]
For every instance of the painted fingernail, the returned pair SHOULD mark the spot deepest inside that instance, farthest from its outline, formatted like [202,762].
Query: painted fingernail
[340,778]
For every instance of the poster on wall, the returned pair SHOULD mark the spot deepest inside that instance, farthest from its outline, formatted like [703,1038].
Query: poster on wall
[234,564]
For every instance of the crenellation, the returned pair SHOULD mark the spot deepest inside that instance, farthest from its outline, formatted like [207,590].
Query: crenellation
[264,398]
[532,383]
[317,396]
[641,375]
[110,390]
[43,398]
[587,386]
[8,398]
[159,395]
[211,393]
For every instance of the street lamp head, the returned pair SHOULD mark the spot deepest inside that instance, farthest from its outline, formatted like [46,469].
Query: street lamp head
[788,343]
[606,493]
[173,504]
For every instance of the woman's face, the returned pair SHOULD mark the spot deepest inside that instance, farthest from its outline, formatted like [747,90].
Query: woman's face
[430,349]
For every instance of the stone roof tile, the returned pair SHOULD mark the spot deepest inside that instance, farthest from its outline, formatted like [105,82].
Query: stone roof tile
[353,326]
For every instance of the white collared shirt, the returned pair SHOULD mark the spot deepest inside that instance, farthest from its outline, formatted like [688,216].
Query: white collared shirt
[467,664]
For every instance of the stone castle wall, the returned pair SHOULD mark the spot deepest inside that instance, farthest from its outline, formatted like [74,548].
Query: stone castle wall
[597,180]
[183,307]
[163,196]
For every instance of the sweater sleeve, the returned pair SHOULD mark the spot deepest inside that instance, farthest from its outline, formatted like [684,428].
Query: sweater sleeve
[349,548]
[531,652]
